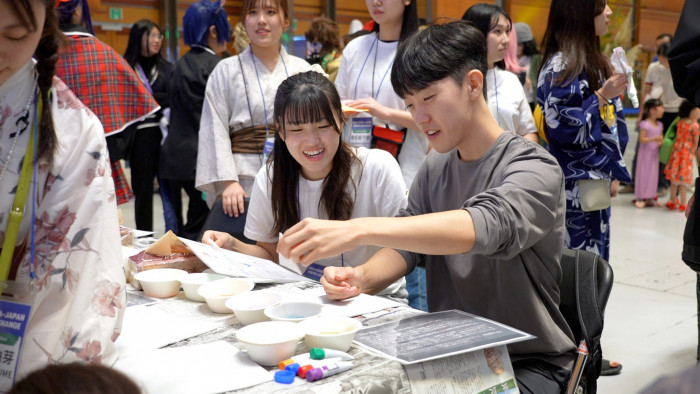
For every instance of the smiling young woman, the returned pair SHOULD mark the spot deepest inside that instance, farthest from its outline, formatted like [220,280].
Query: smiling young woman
[314,174]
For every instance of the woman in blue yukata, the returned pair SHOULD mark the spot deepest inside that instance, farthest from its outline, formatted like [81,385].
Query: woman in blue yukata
[579,97]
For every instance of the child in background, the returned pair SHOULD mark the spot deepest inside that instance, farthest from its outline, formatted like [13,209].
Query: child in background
[650,139]
[679,170]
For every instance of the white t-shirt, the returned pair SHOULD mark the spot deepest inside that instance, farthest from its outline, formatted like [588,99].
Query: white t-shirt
[354,81]
[507,102]
[381,192]
[658,75]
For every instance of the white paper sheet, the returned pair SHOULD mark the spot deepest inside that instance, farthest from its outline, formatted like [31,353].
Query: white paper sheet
[289,263]
[227,262]
[214,367]
[150,327]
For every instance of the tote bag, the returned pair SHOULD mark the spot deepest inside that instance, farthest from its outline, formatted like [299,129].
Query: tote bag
[667,145]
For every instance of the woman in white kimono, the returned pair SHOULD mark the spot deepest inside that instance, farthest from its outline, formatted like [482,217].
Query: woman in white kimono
[238,106]
[63,257]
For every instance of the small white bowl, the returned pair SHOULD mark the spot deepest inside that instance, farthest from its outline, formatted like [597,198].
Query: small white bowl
[249,307]
[192,282]
[293,311]
[270,342]
[330,332]
[216,293]
[160,282]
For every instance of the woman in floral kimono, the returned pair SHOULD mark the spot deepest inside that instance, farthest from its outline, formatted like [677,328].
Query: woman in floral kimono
[65,250]
[584,122]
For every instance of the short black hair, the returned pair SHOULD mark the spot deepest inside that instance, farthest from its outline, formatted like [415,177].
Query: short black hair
[663,49]
[451,49]
[685,109]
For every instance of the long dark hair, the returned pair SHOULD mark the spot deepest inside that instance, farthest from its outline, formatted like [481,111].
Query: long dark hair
[571,30]
[485,17]
[46,55]
[309,97]
[133,49]
[409,23]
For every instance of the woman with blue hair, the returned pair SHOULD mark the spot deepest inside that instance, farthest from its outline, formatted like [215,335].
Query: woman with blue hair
[206,32]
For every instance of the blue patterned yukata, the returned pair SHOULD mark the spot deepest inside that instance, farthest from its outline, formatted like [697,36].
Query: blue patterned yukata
[585,147]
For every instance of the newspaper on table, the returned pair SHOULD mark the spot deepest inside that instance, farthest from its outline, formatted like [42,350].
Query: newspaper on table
[436,335]
[239,265]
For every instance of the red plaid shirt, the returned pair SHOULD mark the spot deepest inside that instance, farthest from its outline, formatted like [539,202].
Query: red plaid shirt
[104,82]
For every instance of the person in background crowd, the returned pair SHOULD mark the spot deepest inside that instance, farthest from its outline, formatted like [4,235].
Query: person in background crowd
[650,139]
[323,45]
[240,38]
[488,205]
[340,183]
[530,58]
[364,80]
[505,94]
[679,170]
[105,83]
[206,32]
[579,96]
[238,105]
[658,78]
[62,258]
[143,53]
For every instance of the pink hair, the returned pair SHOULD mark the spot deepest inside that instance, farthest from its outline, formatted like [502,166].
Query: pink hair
[511,58]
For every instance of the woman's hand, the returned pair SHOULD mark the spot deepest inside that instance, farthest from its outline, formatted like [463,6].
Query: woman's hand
[372,107]
[341,282]
[232,199]
[613,86]
[222,240]
[614,187]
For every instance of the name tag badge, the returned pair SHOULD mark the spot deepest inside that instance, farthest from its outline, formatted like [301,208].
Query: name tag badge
[267,149]
[314,271]
[361,132]
[13,327]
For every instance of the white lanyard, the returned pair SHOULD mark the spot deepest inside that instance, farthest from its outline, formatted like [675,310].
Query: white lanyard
[357,81]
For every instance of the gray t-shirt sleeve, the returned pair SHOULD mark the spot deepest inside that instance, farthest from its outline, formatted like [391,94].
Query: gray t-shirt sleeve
[520,211]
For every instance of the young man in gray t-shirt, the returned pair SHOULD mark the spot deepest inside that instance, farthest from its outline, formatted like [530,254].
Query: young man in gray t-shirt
[485,212]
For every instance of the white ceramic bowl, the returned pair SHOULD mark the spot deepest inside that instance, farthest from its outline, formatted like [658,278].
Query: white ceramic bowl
[192,282]
[249,307]
[160,282]
[330,332]
[270,342]
[293,311]
[216,293]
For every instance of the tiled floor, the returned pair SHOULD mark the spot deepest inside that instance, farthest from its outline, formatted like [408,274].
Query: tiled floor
[651,318]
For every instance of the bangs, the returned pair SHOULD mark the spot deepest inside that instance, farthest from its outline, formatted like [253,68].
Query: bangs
[309,104]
